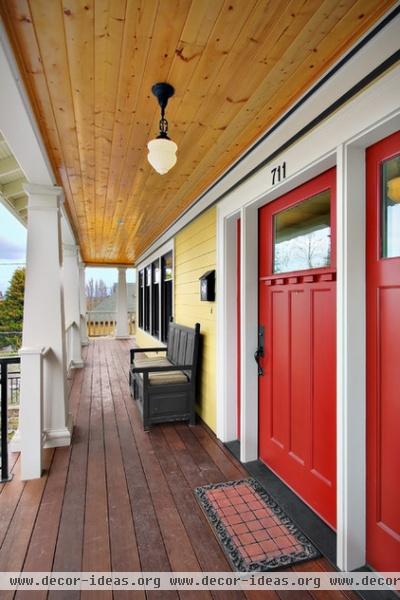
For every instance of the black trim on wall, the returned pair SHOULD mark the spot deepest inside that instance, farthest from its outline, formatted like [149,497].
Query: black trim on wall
[364,82]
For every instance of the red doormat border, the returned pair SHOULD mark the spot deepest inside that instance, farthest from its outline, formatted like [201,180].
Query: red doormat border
[262,518]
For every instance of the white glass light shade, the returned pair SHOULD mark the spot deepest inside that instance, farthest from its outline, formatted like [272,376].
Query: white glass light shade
[162,154]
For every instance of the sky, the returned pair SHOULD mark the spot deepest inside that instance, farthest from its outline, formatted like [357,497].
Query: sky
[12,246]
[13,253]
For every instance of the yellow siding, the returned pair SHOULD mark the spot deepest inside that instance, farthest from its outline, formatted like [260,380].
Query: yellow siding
[195,253]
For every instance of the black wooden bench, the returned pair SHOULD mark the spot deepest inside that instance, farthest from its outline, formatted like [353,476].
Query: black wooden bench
[165,386]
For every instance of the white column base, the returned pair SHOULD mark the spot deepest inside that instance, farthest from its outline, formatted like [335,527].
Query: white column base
[15,442]
[53,438]
[83,331]
[122,337]
[77,364]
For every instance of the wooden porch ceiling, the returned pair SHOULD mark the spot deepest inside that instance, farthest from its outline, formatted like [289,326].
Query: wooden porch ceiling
[236,66]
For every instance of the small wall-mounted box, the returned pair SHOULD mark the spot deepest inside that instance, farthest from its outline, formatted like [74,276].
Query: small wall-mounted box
[207,286]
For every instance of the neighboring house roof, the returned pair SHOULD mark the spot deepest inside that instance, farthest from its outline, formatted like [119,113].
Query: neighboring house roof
[109,304]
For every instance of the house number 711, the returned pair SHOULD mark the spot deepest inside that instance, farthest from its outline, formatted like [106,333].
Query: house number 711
[278,173]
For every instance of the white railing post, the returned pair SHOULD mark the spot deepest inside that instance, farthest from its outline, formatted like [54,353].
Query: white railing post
[82,306]
[122,330]
[73,347]
[31,412]
[72,300]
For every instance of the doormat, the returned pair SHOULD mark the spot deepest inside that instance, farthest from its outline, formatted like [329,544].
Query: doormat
[254,532]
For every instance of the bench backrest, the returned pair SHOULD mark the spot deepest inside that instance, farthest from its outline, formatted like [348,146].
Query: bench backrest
[183,346]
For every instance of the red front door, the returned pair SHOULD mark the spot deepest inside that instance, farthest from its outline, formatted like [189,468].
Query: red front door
[383,358]
[297,309]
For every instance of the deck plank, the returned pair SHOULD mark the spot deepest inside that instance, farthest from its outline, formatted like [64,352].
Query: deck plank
[123,544]
[96,543]
[40,552]
[230,470]
[69,547]
[9,499]
[201,458]
[16,541]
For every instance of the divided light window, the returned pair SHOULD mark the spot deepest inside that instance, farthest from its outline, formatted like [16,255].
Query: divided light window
[156,296]
[147,289]
[141,292]
[166,294]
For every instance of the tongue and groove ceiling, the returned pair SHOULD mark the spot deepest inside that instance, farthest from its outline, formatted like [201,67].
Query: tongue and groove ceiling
[236,65]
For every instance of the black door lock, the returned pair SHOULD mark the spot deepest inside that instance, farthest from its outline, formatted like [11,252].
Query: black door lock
[259,353]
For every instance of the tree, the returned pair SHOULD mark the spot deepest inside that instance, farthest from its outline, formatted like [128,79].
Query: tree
[12,310]
[96,290]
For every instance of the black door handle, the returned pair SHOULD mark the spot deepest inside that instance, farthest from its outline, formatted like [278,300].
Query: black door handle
[259,353]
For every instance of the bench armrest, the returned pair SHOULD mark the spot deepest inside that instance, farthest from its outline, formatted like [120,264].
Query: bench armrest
[158,349]
[161,369]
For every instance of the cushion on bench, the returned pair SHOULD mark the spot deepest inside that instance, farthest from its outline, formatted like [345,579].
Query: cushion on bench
[166,377]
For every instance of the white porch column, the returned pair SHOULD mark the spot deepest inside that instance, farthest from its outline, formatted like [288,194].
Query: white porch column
[249,333]
[44,321]
[351,358]
[31,413]
[71,284]
[82,305]
[122,331]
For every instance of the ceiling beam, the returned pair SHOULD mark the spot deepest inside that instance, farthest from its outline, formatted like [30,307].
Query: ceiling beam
[9,205]
[9,166]
[21,204]
[13,189]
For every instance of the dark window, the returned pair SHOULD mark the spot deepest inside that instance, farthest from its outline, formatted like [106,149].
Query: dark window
[141,290]
[147,288]
[155,298]
[166,294]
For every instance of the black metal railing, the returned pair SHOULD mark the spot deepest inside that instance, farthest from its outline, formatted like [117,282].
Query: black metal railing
[9,394]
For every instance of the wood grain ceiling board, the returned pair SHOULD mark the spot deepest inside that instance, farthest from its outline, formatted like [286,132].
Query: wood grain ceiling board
[236,65]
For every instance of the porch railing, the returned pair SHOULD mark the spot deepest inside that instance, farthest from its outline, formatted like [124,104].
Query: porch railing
[9,394]
[101,323]
[73,345]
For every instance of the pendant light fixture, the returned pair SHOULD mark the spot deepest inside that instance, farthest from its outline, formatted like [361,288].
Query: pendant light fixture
[162,150]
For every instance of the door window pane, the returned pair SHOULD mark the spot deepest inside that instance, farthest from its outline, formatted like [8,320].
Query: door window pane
[302,235]
[391,207]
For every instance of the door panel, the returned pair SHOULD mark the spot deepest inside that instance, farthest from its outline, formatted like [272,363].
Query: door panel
[383,372]
[297,393]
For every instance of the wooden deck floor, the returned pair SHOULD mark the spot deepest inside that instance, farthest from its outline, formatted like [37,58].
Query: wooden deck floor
[120,499]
